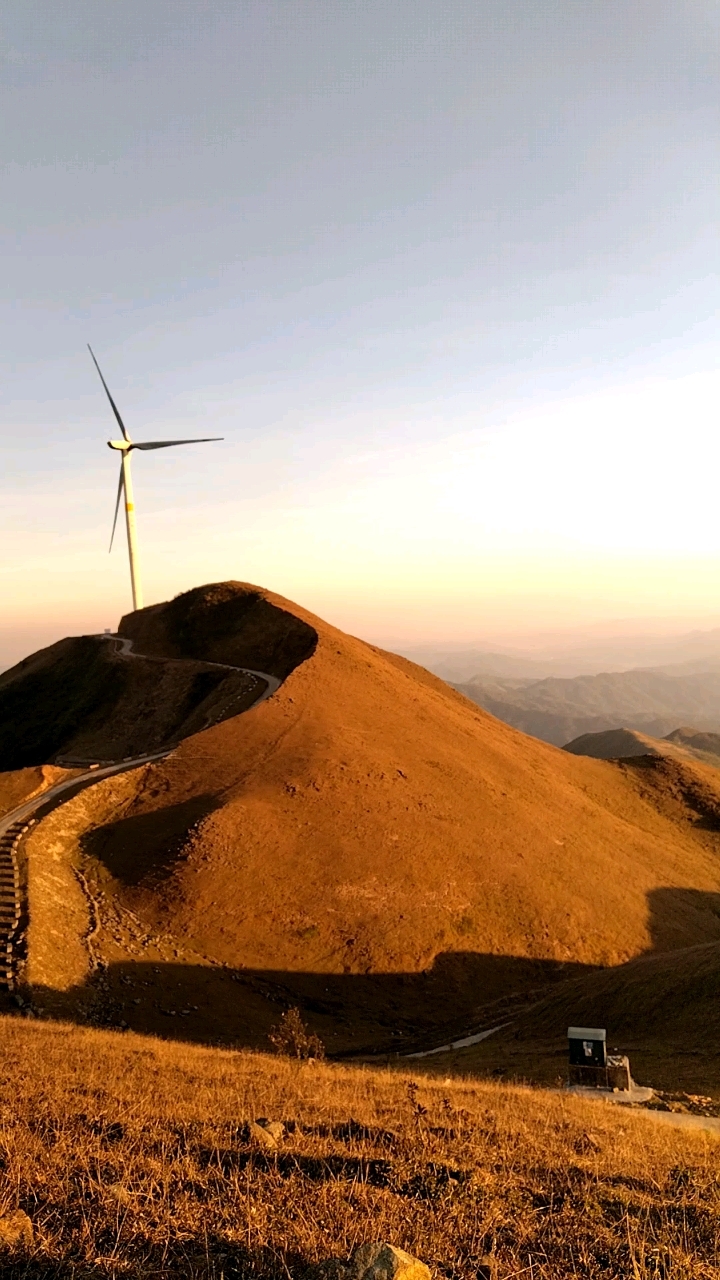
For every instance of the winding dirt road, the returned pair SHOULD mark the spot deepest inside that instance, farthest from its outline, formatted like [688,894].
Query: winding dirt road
[124,649]
[15,823]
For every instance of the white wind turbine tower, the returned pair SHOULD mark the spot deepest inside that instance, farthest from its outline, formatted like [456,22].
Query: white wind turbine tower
[125,448]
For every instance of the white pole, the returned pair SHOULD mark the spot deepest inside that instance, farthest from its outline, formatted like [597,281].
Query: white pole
[131,532]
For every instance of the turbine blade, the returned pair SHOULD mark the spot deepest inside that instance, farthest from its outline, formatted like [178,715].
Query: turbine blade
[168,444]
[120,422]
[117,507]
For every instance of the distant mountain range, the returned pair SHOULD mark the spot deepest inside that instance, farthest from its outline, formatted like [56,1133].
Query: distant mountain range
[569,656]
[654,702]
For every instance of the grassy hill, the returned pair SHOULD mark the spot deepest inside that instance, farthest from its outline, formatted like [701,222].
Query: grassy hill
[682,744]
[132,1159]
[367,843]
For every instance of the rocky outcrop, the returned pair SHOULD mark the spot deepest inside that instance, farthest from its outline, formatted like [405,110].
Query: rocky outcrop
[375,1260]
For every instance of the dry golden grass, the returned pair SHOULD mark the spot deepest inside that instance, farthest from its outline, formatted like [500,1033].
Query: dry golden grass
[21,784]
[131,1159]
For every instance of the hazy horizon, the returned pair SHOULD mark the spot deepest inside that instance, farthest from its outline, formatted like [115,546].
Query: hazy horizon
[606,639]
[443,278]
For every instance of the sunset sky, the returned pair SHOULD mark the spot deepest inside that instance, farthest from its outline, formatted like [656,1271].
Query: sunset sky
[444,276]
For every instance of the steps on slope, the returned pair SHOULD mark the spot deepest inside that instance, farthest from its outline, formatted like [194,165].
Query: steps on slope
[10,900]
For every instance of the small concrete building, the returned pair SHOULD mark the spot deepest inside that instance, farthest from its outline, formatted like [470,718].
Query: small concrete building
[590,1065]
[587,1046]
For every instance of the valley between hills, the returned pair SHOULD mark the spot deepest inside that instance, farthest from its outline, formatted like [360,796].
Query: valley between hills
[366,844]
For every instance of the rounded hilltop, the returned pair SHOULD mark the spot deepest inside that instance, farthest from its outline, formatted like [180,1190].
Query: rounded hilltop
[226,622]
[368,818]
[367,842]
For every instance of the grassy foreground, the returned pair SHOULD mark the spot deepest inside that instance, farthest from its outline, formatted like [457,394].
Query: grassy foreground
[130,1157]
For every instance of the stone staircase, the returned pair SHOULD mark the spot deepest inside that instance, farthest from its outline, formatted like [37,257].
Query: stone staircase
[11,902]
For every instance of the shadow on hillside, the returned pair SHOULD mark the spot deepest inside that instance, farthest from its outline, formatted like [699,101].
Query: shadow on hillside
[675,914]
[679,783]
[390,1012]
[370,1171]
[209,1255]
[224,622]
[147,844]
[661,1007]
[354,1013]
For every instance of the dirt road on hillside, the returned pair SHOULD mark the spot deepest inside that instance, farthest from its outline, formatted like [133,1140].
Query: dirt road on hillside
[94,771]
[14,823]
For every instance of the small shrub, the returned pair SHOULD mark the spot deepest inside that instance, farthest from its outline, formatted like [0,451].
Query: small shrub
[292,1038]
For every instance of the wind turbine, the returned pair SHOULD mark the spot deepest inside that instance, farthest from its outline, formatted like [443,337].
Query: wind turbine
[125,448]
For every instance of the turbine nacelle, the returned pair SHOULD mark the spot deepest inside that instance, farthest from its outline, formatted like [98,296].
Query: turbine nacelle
[124,445]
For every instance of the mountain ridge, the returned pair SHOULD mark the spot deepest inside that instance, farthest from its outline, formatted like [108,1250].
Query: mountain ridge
[367,843]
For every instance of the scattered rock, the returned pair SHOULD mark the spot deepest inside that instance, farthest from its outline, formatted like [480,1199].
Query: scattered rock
[15,1229]
[275,1128]
[587,1142]
[385,1262]
[260,1137]
[331,1269]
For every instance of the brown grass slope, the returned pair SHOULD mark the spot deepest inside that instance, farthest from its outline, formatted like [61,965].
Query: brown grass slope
[672,996]
[23,784]
[131,1159]
[369,820]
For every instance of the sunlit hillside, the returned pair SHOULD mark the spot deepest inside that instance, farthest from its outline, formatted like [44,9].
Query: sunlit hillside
[133,1158]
